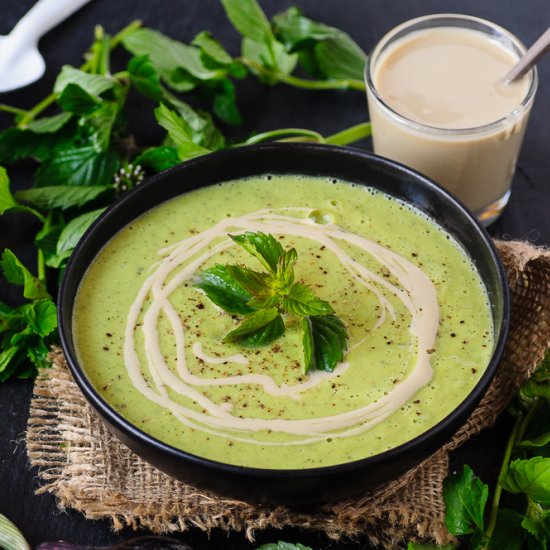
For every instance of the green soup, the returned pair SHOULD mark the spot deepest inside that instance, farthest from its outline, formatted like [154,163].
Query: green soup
[417,314]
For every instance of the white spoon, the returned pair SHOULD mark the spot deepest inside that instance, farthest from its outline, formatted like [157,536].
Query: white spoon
[532,55]
[20,60]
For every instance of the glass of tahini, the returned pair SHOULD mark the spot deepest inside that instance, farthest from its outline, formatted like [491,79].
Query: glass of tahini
[438,103]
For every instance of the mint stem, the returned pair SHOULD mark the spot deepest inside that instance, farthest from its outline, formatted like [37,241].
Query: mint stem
[518,431]
[13,110]
[347,84]
[41,267]
[300,132]
[31,114]
[349,135]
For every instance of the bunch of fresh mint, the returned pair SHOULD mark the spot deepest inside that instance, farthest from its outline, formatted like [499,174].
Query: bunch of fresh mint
[518,516]
[85,156]
[264,296]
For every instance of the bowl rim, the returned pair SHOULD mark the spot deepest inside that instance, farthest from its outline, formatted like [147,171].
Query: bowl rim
[123,425]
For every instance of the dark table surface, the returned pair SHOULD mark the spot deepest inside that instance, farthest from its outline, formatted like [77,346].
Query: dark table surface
[263,108]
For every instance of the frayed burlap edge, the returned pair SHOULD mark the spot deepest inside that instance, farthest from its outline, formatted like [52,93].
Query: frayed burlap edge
[88,469]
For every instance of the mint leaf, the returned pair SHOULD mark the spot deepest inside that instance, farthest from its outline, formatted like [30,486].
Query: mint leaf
[465,496]
[48,125]
[179,132]
[302,301]
[340,58]
[46,239]
[212,49]
[297,32]
[537,523]
[158,158]
[252,281]
[249,19]
[178,64]
[103,121]
[258,328]
[223,290]
[539,383]
[61,196]
[531,477]
[93,84]
[16,144]
[78,166]
[324,338]
[325,51]
[17,274]
[285,267]
[74,99]
[225,103]
[264,247]
[419,546]
[7,362]
[200,125]
[144,77]
[537,442]
[283,546]
[277,58]
[7,200]
[74,231]
[26,334]
[164,55]
[41,317]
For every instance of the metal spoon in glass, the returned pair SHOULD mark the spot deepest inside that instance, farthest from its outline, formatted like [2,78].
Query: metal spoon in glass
[532,55]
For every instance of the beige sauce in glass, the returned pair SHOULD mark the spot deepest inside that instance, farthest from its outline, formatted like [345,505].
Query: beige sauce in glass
[449,78]
[467,126]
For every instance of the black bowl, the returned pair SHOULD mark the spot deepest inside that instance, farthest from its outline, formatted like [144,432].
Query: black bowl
[321,484]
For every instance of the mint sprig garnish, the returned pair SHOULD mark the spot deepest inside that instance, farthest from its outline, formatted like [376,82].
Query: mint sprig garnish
[263,297]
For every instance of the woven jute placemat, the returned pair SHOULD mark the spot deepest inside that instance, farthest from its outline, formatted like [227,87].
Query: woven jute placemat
[88,469]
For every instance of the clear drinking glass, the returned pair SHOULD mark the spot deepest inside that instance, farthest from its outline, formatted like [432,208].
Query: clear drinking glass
[475,164]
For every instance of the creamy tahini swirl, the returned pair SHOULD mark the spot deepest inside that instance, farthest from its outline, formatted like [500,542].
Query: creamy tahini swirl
[182,261]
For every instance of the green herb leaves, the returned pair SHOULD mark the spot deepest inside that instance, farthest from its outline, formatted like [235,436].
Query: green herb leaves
[324,51]
[465,498]
[524,481]
[25,330]
[281,545]
[263,297]
[79,137]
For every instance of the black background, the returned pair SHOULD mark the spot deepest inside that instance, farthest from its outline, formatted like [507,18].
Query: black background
[263,108]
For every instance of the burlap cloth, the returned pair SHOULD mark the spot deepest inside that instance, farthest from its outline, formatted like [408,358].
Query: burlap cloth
[89,470]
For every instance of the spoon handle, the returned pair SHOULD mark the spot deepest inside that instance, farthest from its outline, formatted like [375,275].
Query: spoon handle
[43,17]
[532,55]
